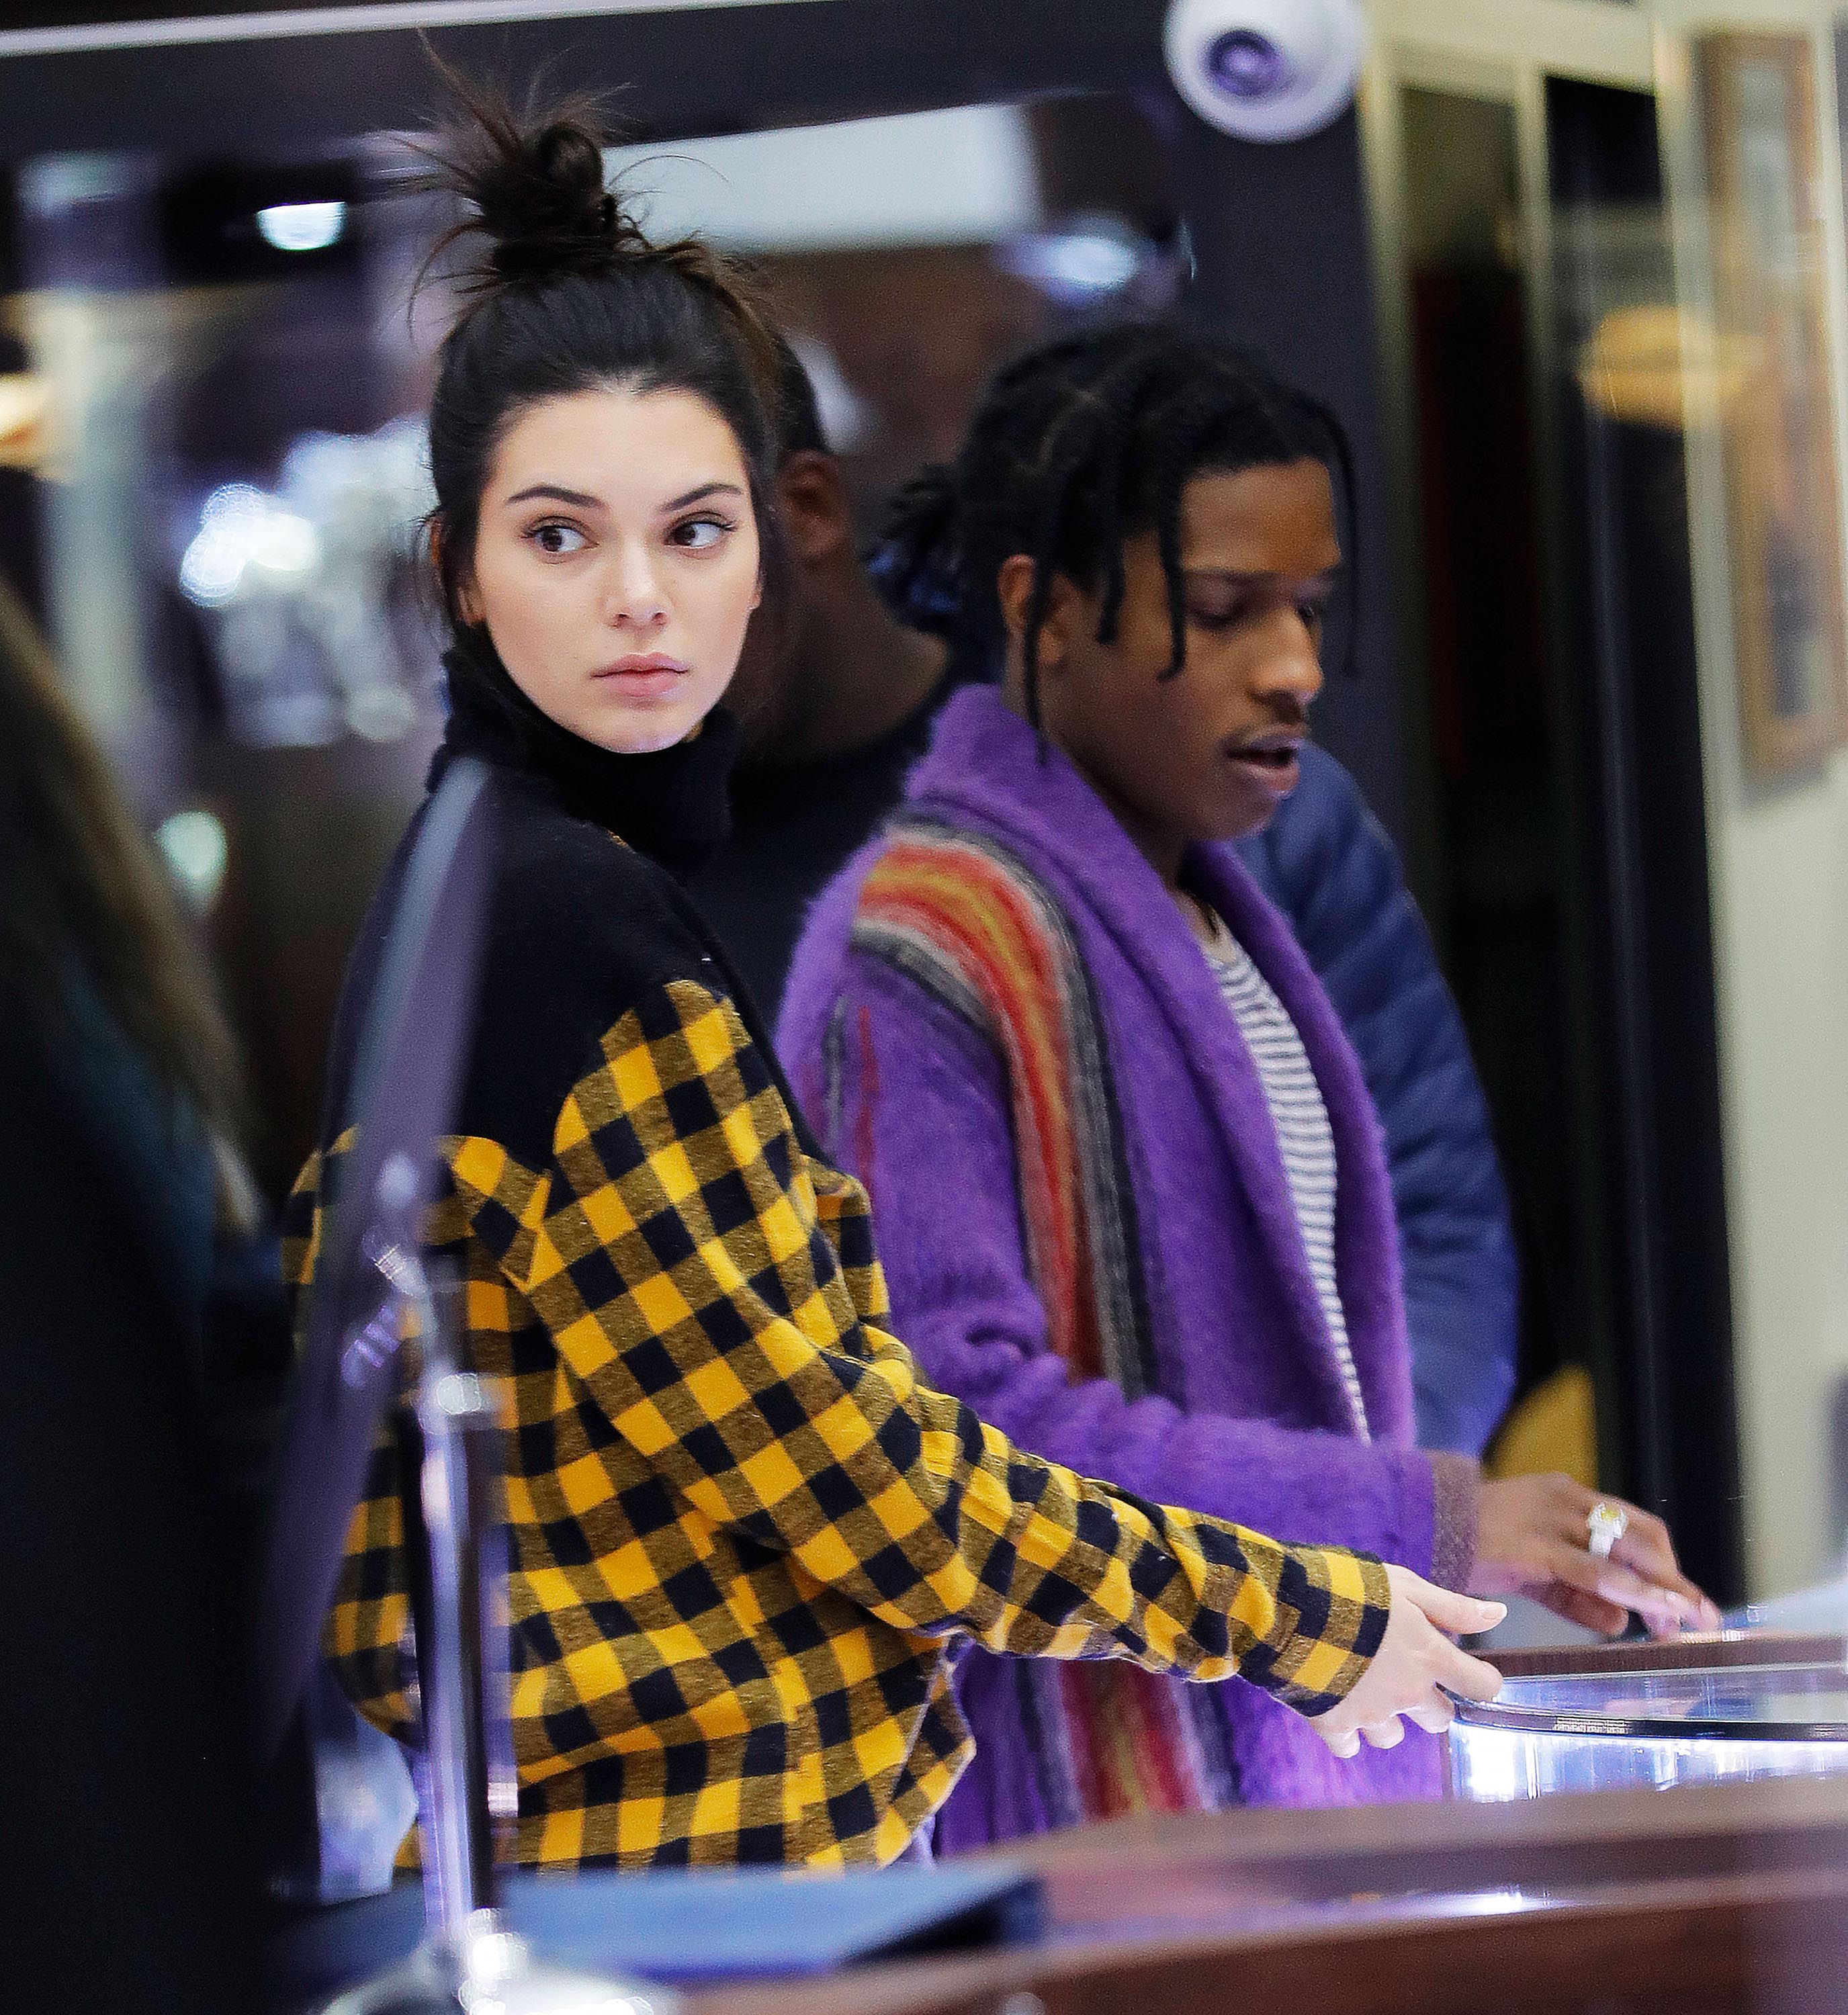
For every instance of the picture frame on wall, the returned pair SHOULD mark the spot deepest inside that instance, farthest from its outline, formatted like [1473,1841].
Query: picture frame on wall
[1778,428]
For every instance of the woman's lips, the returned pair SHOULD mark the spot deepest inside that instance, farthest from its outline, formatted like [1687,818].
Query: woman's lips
[651,677]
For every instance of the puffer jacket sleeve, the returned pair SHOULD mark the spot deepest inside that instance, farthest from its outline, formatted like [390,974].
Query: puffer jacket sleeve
[1328,865]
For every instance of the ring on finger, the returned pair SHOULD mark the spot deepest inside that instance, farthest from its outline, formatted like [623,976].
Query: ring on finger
[1606,1524]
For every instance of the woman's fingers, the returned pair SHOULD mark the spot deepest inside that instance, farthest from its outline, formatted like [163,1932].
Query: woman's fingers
[1434,1716]
[1415,1660]
[1474,1678]
[1462,1615]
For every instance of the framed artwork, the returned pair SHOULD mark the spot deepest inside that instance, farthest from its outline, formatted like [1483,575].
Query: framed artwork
[1758,94]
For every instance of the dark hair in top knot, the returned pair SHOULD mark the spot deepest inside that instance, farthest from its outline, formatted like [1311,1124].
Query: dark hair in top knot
[570,294]
[1076,446]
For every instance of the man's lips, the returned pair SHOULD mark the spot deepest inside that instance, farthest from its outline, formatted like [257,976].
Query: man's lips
[1271,758]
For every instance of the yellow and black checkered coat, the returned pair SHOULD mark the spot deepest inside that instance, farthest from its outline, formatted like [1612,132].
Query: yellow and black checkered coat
[745,1539]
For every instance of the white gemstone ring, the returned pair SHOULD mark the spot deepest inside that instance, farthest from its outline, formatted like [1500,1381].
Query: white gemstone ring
[1607,1524]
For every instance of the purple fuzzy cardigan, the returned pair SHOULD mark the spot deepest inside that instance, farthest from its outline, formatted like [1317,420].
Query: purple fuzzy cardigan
[1260,1433]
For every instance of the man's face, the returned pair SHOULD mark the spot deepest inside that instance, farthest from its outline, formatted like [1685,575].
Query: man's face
[818,530]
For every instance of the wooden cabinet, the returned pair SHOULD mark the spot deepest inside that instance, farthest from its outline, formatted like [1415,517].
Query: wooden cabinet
[1710,1901]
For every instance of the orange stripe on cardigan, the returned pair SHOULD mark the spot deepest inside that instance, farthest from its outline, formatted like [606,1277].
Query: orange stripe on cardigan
[960,915]
[961,904]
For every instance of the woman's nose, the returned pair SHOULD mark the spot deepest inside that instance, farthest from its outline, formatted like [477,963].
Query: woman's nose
[634,598]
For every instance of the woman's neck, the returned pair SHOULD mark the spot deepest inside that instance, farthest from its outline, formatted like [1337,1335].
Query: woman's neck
[672,806]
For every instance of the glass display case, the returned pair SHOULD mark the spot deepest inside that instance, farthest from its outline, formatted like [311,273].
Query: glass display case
[1737,1707]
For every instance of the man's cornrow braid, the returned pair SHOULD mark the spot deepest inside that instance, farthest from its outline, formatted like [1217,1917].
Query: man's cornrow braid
[1192,416]
[1055,498]
[1335,435]
[1002,486]
[1085,414]
[1128,392]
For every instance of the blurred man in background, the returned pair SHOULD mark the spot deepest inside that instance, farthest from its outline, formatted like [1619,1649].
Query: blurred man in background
[835,710]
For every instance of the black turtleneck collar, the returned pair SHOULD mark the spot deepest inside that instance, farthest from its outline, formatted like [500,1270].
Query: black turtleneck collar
[673,806]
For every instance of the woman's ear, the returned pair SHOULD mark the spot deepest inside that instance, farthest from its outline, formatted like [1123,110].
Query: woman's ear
[467,602]
[1014,586]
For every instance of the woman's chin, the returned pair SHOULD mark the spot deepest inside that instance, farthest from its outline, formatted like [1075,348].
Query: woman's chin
[643,735]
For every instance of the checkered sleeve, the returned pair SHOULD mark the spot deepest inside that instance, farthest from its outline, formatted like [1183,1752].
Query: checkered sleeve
[676,1251]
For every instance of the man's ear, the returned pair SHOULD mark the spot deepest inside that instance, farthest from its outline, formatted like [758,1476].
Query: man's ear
[812,501]
[1065,609]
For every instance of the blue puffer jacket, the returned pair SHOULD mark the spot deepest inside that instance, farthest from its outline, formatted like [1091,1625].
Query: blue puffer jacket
[1327,863]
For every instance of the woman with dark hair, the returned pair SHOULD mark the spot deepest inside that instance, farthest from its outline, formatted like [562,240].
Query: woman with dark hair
[96,960]
[743,1535]
[1128,1180]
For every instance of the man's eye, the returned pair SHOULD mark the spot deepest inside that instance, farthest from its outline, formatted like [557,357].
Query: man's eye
[1219,614]
[700,535]
[556,540]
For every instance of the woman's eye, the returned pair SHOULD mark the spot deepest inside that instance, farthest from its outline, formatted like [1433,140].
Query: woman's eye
[700,535]
[556,540]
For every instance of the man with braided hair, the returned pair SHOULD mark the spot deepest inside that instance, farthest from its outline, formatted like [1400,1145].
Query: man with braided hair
[1132,1190]
[837,720]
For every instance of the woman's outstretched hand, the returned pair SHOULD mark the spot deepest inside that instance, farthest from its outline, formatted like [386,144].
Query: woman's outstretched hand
[1415,1663]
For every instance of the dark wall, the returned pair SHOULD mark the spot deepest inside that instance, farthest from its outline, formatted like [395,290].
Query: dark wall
[1280,232]
[1281,236]
[1657,1172]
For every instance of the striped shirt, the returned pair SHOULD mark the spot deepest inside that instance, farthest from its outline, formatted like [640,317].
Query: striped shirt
[1304,1138]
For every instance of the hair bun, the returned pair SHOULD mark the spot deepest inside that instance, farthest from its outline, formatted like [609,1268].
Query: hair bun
[533,183]
[915,561]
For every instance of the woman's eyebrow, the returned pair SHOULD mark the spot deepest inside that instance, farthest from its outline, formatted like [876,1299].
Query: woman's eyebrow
[704,491]
[558,495]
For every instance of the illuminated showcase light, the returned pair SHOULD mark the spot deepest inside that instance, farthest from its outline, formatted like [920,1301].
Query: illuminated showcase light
[194,846]
[302,227]
[243,528]
[1074,265]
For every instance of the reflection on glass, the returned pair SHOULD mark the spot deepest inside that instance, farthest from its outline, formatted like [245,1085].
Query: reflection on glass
[1610,1731]
[1783,479]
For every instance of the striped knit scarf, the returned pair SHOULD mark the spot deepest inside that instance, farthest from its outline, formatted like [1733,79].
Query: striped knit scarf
[964,919]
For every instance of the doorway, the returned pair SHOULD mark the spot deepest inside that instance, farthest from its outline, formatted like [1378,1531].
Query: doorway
[1561,838]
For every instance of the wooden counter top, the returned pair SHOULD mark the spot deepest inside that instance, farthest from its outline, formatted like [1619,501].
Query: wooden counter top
[1717,1898]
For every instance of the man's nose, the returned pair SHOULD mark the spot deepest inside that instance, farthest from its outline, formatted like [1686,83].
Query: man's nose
[1290,664]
